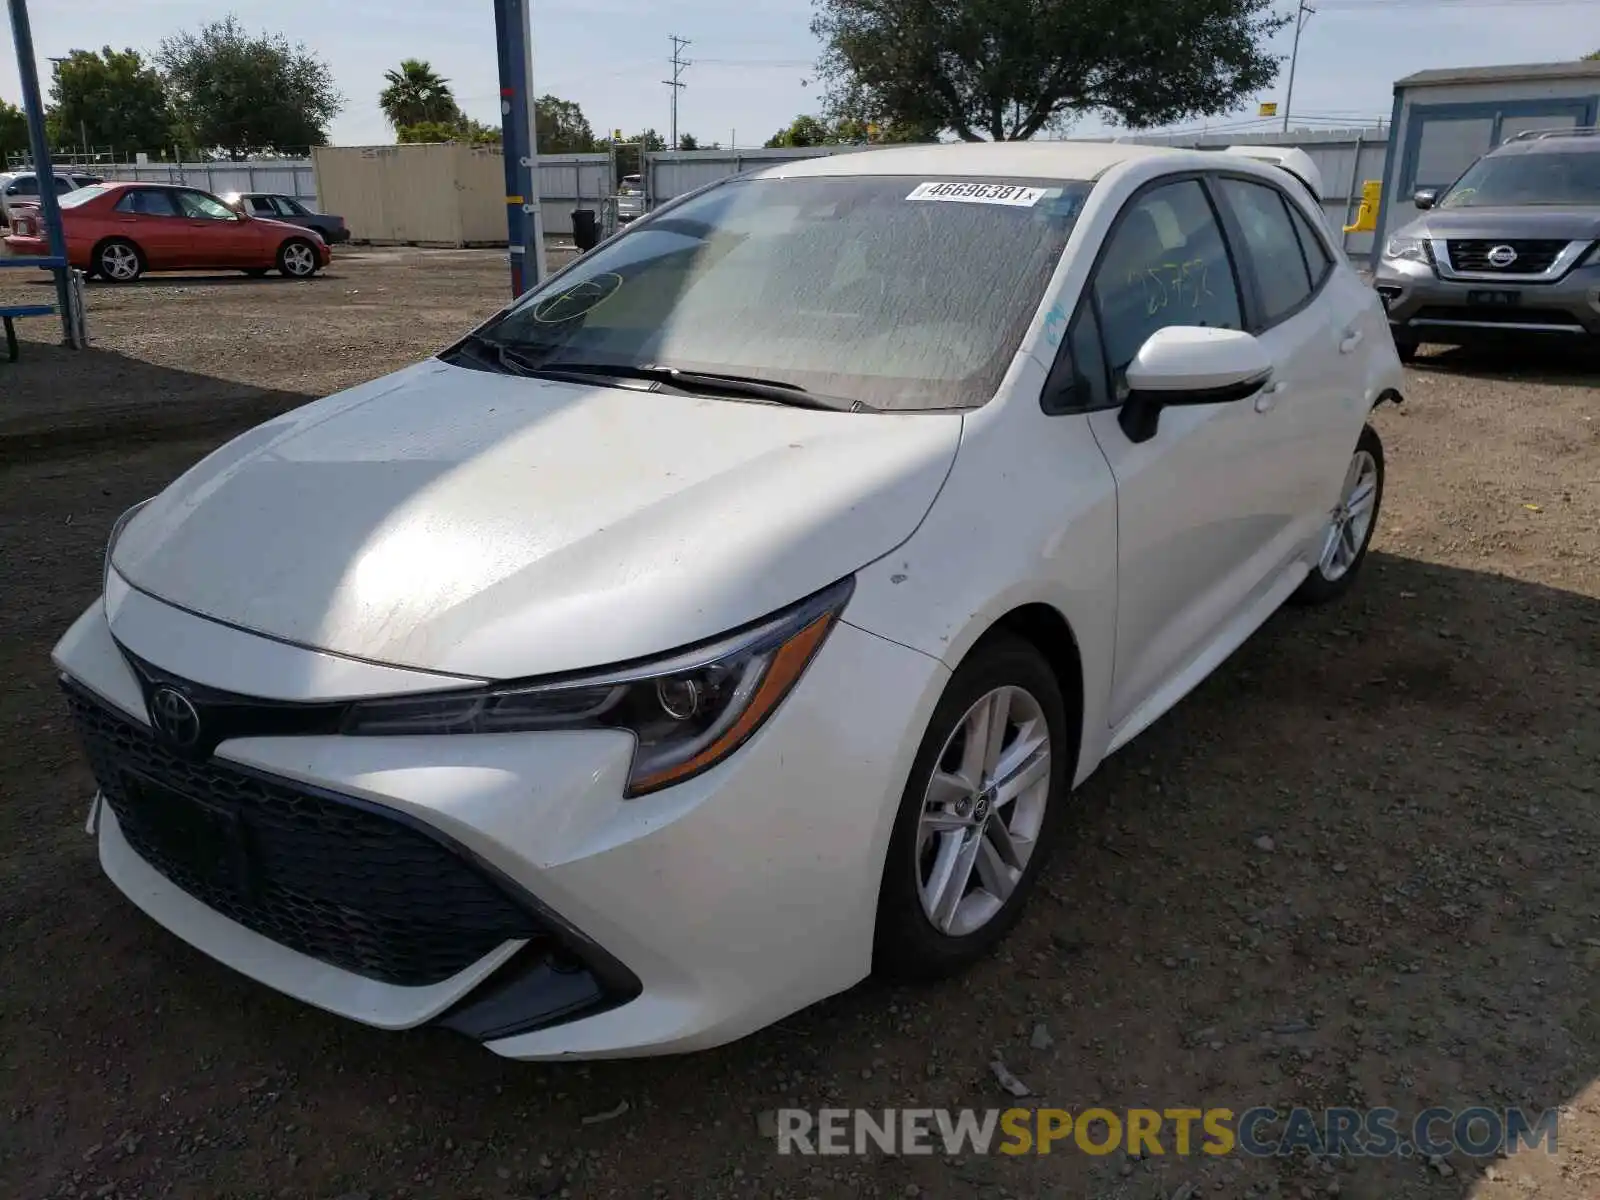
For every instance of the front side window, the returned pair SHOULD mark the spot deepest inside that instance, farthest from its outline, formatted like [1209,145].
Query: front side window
[262,206]
[289,208]
[200,206]
[1276,260]
[26,186]
[1551,178]
[148,202]
[1165,264]
[898,292]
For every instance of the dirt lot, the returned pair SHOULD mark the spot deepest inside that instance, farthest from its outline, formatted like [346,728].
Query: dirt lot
[1358,866]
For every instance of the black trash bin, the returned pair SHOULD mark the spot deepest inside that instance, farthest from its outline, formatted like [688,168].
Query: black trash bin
[585,229]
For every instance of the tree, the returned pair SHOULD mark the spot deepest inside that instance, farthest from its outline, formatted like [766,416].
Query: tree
[1592,57]
[803,131]
[112,98]
[239,94]
[807,130]
[1006,69]
[428,131]
[416,95]
[688,142]
[561,127]
[13,130]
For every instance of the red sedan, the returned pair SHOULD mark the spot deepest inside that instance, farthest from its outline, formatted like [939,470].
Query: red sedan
[119,231]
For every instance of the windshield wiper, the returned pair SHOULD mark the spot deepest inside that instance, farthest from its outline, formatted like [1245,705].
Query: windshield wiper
[777,391]
[498,354]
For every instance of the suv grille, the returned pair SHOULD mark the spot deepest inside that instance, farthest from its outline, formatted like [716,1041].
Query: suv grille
[332,878]
[1534,255]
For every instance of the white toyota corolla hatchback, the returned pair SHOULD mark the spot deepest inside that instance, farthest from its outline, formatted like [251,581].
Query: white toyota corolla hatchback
[736,613]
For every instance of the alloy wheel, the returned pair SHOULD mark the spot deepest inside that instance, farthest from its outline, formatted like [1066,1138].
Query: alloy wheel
[983,810]
[119,262]
[1352,518]
[299,259]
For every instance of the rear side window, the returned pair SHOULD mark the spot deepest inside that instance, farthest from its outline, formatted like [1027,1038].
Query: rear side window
[263,206]
[1318,261]
[1279,264]
[288,207]
[148,204]
[26,186]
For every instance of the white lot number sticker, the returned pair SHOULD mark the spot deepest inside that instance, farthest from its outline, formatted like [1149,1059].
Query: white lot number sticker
[1009,194]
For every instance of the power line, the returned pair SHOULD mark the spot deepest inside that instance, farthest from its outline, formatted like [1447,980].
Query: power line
[676,82]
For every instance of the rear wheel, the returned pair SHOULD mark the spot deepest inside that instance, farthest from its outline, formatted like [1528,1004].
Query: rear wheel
[297,259]
[1350,529]
[118,261]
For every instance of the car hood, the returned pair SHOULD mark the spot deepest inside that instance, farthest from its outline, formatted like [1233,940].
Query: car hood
[1523,221]
[492,526]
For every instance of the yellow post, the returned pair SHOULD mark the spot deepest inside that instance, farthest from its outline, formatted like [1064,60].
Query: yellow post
[1367,215]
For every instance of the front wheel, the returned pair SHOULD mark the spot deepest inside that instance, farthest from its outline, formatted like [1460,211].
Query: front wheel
[118,261]
[297,259]
[1350,528]
[985,797]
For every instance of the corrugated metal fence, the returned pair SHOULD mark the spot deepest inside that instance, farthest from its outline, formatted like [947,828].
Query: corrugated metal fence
[285,176]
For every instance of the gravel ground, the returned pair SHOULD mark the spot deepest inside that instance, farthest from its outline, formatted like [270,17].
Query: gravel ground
[1357,866]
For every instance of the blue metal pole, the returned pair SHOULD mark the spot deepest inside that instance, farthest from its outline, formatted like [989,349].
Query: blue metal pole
[524,224]
[33,106]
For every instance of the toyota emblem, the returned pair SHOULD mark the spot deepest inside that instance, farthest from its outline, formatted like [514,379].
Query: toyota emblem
[1502,256]
[175,717]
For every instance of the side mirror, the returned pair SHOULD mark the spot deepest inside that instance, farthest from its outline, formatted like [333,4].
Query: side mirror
[1425,198]
[1183,365]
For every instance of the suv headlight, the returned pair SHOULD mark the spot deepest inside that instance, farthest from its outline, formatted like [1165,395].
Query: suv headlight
[1406,249]
[687,711]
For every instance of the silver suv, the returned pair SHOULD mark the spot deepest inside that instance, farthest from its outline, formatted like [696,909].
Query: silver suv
[1510,248]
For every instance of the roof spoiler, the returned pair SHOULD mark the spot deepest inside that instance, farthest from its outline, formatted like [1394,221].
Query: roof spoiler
[1291,158]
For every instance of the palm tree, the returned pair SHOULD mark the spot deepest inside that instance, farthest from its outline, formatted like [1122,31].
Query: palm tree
[417,94]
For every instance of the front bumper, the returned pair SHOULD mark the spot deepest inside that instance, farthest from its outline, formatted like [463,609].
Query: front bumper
[1423,307]
[670,922]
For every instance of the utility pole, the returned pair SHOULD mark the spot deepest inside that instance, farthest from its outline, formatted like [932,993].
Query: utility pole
[1301,15]
[676,83]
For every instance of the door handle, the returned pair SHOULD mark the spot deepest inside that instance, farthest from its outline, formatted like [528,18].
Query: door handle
[1267,398]
[1352,339]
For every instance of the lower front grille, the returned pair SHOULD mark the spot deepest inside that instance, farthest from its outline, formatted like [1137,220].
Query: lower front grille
[331,877]
[1488,314]
[1532,256]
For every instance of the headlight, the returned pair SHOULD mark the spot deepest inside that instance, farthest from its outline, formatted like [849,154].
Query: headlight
[687,712]
[1406,249]
[116,533]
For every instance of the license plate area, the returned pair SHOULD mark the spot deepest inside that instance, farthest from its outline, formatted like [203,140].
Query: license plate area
[1494,298]
[207,841]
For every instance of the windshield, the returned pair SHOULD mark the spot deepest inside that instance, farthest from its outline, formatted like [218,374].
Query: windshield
[1517,179]
[81,196]
[897,292]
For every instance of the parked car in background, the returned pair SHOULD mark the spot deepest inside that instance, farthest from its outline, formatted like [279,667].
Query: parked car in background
[736,612]
[1512,248]
[20,189]
[275,206]
[630,199]
[119,231]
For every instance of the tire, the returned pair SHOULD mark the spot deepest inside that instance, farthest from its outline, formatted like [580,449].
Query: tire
[293,260]
[1337,569]
[117,260]
[256,272]
[908,944]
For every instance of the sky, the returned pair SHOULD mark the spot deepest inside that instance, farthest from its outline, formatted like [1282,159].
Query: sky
[752,61]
